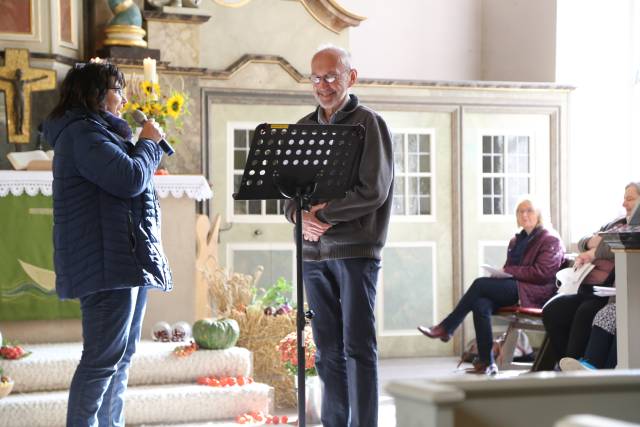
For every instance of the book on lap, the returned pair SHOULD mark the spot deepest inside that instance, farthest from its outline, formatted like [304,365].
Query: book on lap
[491,271]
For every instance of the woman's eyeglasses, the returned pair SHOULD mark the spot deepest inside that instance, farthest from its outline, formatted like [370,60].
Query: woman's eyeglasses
[118,90]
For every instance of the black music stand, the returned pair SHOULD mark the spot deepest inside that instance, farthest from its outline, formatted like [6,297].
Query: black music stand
[304,163]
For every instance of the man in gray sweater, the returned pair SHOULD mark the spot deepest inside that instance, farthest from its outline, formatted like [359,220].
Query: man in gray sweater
[343,240]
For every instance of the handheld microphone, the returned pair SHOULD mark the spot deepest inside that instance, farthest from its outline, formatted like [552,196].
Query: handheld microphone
[139,117]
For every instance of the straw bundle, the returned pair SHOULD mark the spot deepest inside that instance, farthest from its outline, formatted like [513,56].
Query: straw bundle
[261,334]
[227,291]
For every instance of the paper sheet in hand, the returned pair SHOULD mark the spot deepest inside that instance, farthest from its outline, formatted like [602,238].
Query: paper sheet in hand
[604,291]
[568,279]
[494,272]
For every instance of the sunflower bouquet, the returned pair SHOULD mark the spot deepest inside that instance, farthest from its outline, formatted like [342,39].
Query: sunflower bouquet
[147,97]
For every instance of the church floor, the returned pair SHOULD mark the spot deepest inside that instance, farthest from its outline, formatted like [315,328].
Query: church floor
[389,370]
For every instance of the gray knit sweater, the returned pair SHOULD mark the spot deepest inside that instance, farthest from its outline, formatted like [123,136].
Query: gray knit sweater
[360,220]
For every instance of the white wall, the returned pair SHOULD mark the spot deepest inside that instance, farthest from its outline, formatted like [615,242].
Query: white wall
[417,39]
[510,40]
[518,40]
[595,54]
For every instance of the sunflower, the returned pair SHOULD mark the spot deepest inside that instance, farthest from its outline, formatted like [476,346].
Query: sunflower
[146,87]
[156,108]
[174,105]
[131,106]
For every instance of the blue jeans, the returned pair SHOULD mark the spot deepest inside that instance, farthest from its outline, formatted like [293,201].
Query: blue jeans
[111,324]
[485,295]
[342,293]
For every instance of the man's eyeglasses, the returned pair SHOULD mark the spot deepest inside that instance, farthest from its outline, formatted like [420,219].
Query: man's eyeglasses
[328,78]
[118,90]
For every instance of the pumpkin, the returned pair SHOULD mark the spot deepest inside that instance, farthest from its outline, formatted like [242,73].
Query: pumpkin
[216,334]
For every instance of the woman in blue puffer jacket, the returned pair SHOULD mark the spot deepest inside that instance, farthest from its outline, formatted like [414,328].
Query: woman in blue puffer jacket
[107,249]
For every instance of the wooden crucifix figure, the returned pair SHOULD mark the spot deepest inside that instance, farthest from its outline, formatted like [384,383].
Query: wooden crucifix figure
[18,80]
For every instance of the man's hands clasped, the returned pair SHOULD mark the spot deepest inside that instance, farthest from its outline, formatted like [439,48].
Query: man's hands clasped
[312,227]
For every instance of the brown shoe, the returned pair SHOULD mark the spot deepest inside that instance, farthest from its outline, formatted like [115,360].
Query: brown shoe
[435,332]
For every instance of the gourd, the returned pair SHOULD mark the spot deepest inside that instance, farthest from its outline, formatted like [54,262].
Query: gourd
[216,334]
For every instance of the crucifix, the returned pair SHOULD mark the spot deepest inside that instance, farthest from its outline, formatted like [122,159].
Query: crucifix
[18,80]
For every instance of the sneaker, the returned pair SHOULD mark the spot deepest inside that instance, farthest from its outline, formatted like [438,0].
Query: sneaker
[570,364]
[492,370]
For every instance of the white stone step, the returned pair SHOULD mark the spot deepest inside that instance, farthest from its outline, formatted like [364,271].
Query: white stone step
[51,366]
[166,404]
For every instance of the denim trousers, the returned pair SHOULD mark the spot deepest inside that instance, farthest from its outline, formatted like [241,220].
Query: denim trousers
[485,296]
[342,294]
[111,324]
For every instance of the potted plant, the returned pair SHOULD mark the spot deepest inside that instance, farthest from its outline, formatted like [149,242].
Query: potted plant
[287,348]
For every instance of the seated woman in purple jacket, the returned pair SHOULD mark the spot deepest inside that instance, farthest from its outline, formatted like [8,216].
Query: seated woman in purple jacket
[533,258]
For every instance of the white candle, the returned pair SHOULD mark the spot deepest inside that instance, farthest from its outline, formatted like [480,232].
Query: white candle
[150,70]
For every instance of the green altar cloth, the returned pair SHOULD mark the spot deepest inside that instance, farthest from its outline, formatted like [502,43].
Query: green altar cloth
[27,279]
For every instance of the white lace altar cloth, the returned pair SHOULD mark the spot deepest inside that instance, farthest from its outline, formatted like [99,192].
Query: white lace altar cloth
[39,182]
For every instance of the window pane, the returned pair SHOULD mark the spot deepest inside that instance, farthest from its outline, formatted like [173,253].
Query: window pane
[486,164]
[425,163]
[240,207]
[498,165]
[498,144]
[412,142]
[271,207]
[413,163]
[512,146]
[239,159]
[413,208]
[425,205]
[497,186]
[486,206]
[498,208]
[398,205]
[425,143]
[425,186]
[276,263]
[398,152]
[486,144]
[398,197]
[255,207]
[240,138]
[486,186]
[523,145]
[523,164]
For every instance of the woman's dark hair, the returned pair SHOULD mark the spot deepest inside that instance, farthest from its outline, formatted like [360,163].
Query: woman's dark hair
[85,86]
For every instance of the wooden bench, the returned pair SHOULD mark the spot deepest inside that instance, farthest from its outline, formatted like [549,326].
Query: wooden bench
[527,319]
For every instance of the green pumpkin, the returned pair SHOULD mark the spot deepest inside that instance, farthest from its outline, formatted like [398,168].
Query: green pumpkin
[216,334]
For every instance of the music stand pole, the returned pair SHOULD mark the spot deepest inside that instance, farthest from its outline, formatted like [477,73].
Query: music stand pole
[300,316]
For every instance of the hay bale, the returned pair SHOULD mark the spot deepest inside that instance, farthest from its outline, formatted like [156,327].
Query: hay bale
[261,334]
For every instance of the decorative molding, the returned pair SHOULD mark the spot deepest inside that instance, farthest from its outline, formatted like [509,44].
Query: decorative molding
[331,15]
[73,24]
[247,59]
[183,18]
[232,3]
[35,35]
